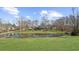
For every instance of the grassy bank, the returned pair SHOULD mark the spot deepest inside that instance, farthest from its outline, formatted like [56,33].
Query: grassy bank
[41,32]
[34,32]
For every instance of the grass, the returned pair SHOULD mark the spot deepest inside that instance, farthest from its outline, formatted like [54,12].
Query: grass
[35,32]
[41,32]
[66,43]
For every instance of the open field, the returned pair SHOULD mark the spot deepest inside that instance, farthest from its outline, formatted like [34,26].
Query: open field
[66,43]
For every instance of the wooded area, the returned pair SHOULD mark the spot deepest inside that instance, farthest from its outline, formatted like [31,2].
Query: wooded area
[68,24]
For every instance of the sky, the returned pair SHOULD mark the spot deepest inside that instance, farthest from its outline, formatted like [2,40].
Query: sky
[9,14]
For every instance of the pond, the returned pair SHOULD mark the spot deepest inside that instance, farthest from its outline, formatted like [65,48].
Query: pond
[18,35]
[10,35]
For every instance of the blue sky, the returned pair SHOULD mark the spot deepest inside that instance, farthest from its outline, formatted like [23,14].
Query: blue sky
[9,14]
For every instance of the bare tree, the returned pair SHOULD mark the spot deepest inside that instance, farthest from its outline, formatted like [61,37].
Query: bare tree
[22,23]
[75,21]
[59,24]
[35,24]
[45,23]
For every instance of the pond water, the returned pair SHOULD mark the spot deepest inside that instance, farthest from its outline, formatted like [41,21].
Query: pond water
[18,35]
[10,35]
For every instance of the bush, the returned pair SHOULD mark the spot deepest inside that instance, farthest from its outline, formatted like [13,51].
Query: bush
[67,33]
[74,33]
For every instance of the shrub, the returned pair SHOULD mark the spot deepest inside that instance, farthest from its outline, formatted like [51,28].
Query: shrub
[74,33]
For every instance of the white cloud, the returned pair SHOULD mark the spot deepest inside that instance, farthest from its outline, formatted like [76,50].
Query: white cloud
[55,14]
[12,10]
[43,12]
[51,14]
[28,17]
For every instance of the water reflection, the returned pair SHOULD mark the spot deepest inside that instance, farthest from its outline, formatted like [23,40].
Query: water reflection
[18,35]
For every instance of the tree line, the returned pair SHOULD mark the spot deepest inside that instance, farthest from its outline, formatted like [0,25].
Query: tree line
[68,23]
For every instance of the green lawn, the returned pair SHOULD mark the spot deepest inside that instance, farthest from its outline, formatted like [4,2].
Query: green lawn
[41,32]
[34,32]
[66,43]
